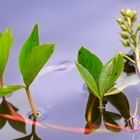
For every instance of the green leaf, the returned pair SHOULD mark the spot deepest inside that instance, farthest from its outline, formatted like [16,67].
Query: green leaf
[110,73]
[1,34]
[87,77]
[6,41]
[31,42]
[35,61]
[7,89]
[90,61]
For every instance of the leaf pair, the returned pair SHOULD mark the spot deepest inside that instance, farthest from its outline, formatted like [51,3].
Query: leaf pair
[99,78]
[33,56]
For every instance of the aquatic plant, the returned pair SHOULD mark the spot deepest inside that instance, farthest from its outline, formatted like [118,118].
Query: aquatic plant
[99,78]
[130,35]
[32,58]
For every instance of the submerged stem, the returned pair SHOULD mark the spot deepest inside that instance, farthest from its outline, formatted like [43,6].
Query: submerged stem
[35,114]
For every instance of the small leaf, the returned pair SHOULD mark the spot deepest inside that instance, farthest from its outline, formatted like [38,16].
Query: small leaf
[7,89]
[110,73]
[31,42]
[6,41]
[35,61]
[90,61]
[87,77]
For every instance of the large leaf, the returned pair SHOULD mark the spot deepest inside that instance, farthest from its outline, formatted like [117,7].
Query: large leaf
[110,73]
[87,77]
[90,61]
[6,41]
[31,42]
[35,61]
[7,89]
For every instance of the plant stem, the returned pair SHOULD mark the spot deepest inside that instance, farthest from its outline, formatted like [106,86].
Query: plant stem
[101,107]
[128,58]
[35,114]
[137,57]
[1,84]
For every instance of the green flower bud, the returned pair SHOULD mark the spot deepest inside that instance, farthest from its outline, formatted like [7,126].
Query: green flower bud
[134,13]
[138,27]
[133,36]
[134,18]
[124,28]
[125,43]
[128,13]
[123,12]
[124,36]
[120,21]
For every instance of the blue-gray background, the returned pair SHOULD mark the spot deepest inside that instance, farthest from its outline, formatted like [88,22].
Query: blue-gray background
[69,24]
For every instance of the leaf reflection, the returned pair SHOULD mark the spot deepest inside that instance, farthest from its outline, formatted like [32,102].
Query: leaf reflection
[32,135]
[111,119]
[7,108]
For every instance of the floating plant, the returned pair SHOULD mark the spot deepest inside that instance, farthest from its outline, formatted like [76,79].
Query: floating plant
[99,78]
[32,58]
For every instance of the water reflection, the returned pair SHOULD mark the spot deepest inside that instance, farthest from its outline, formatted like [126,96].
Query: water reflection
[32,135]
[110,119]
[9,110]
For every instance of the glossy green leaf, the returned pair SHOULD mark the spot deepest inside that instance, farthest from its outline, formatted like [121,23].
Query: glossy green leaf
[35,61]
[6,41]
[1,34]
[87,77]
[90,61]
[110,73]
[7,89]
[31,42]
